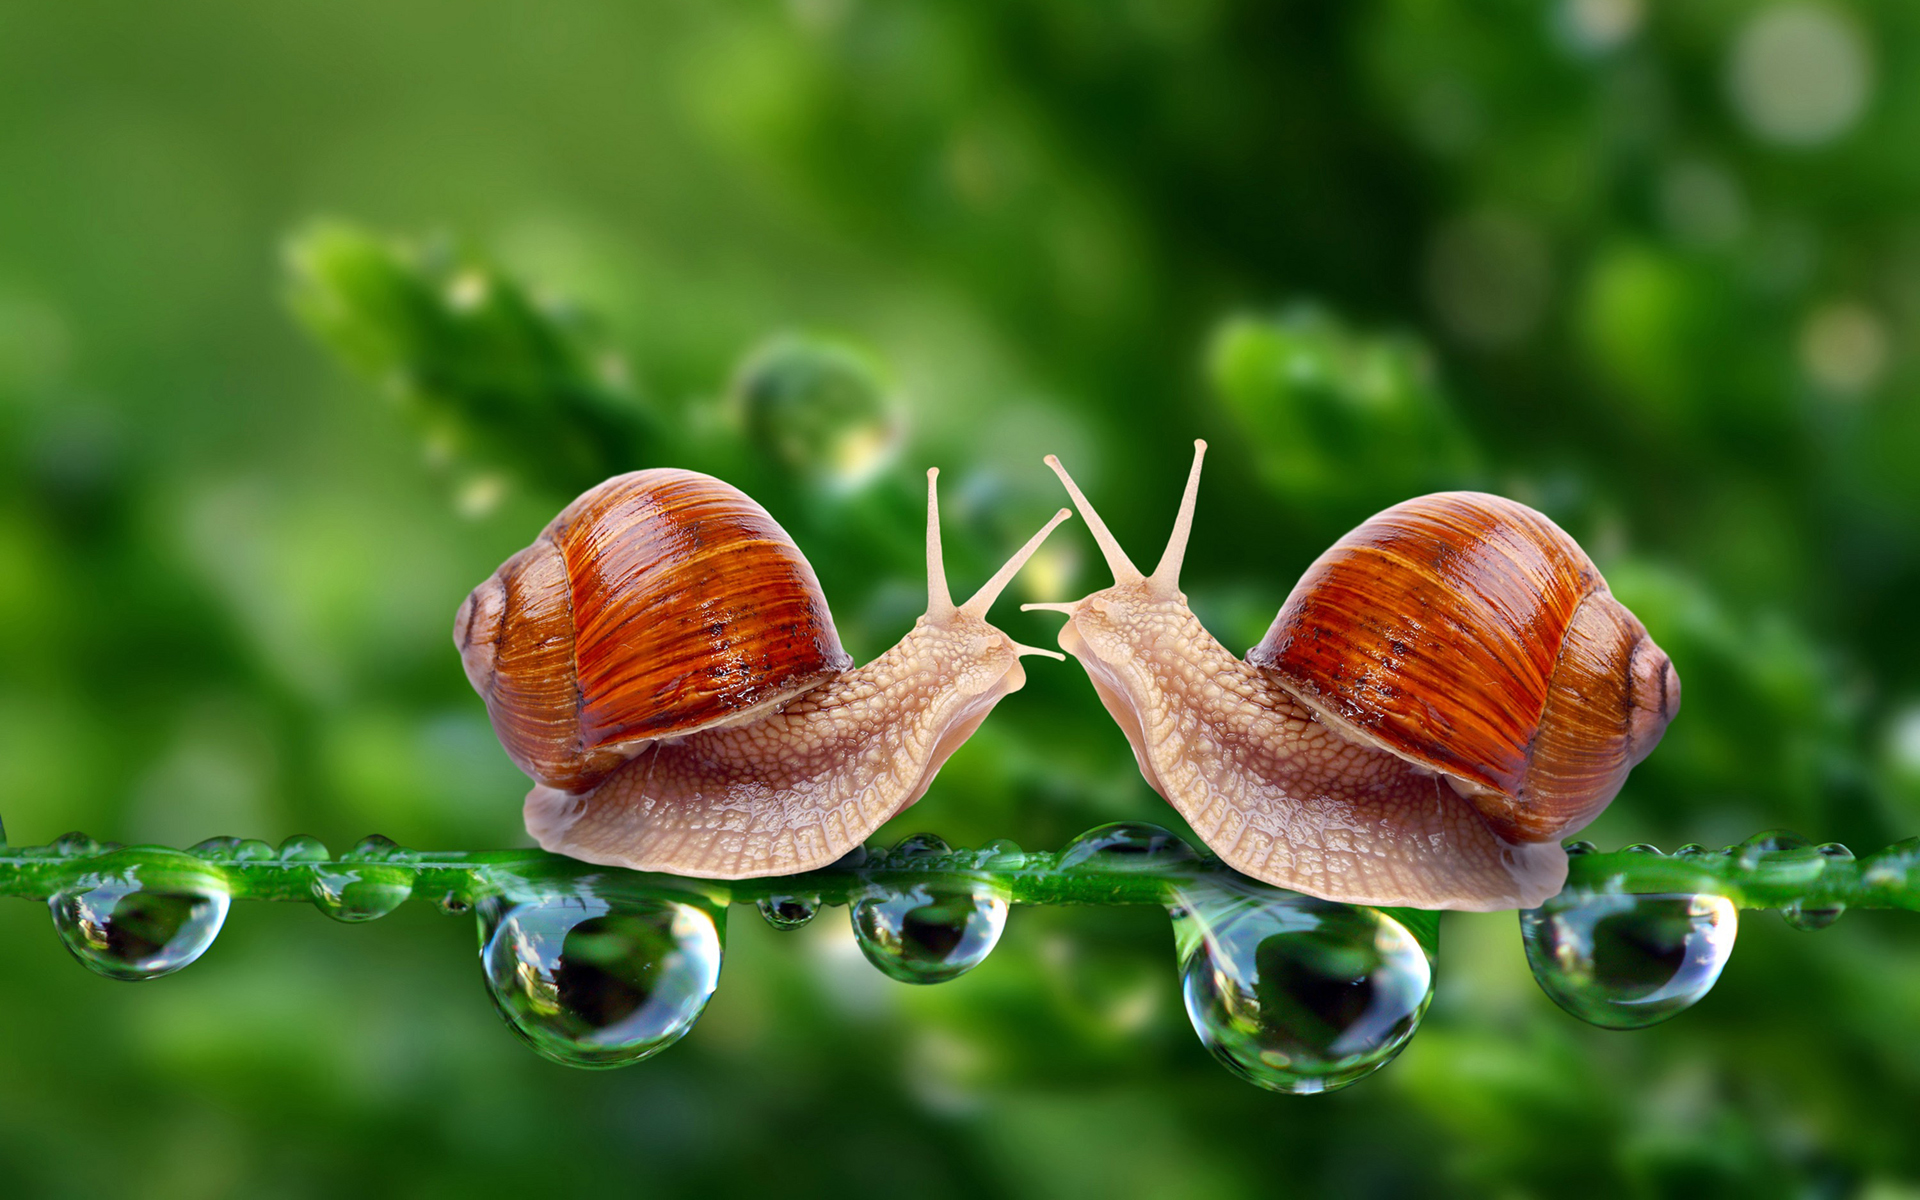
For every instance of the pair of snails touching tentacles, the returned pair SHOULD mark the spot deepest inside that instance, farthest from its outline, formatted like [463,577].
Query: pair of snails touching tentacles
[1447,691]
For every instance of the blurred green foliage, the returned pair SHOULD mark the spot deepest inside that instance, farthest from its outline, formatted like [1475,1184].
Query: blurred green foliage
[1654,269]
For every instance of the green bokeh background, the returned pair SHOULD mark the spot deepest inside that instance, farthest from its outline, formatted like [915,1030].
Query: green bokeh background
[310,315]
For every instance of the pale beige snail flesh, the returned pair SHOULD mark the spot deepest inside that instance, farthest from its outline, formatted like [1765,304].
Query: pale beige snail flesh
[1447,691]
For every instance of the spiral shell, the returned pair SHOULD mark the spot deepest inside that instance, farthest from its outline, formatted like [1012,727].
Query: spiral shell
[659,603]
[1471,636]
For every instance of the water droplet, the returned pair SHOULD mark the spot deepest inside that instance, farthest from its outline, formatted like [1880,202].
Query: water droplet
[821,409]
[1575,849]
[1125,846]
[75,845]
[1640,848]
[1001,854]
[1628,961]
[301,848]
[232,849]
[1295,994]
[375,848]
[359,893]
[1692,850]
[1810,918]
[148,920]
[593,982]
[454,904]
[920,845]
[789,912]
[930,933]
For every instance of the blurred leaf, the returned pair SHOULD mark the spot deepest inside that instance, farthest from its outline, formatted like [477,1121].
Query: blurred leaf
[501,383]
[1337,419]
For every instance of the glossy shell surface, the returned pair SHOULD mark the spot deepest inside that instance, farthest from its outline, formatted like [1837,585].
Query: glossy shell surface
[1470,635]
[659,603]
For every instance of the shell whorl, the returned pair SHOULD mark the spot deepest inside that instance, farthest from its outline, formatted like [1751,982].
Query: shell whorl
[1471,636]
[657,604]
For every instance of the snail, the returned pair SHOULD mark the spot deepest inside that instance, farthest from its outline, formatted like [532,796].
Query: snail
[1446,692]
[662,662]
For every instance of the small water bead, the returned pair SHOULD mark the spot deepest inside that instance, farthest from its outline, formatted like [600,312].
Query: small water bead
[1575,849]
[1810,918]
[75,845]
[1001,854]
[789,912]
[595,983]
[931,932]
[1778,856]
[920,845]
[355,893]
[232,849]
[301,848]
[1640,848]
[1628,961]
[1126,845]
[127,927]
[1296,994]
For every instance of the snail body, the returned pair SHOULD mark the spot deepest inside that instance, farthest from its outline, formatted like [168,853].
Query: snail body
[662,662]
[1447,691]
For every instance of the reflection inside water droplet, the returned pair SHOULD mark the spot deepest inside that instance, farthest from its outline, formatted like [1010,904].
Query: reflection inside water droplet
[1628,961]
[930,933]
[594,983]
[126,929]
[1809,917]
[788,912]
[1296,994]
[359,892]
[1126,845]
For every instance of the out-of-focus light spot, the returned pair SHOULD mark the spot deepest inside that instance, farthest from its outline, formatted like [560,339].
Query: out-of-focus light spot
[1903,741]
[1599,25]
[479,496]
[1445,117]
[1489,278]
[1702,204]
[467,291]
[1800,74]
[1843,347]
[1049,572]
[612,370]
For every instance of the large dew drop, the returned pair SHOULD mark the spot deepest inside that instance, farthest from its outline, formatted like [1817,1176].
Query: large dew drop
[128,927]
[594,983]
[930,933]
[1295,994]
[1628,961]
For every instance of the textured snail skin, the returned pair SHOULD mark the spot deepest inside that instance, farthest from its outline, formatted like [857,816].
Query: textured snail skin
[799,788]
[662,663]
[1277,793]
[1449,690]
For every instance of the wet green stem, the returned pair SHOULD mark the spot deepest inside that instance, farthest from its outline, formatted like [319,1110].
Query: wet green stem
[1769,871]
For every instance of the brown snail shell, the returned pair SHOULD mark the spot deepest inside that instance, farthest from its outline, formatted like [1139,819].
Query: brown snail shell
[659,603]
[1472,636]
